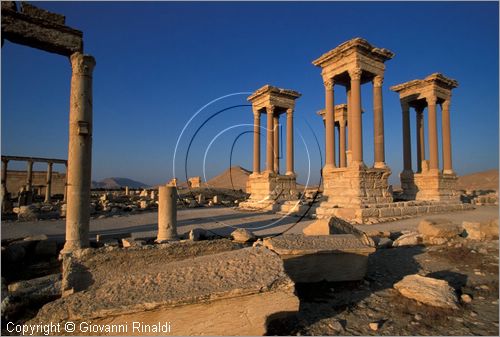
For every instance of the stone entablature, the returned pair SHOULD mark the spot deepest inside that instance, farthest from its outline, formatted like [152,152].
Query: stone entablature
[269,95]
[355,53]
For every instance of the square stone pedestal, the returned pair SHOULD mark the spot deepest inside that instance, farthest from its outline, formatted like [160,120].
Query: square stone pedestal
[348,190]
[270,191]
[437,186]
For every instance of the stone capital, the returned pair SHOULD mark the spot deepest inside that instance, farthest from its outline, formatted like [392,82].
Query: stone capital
[431,100]
[82,64]
[378,81]
[256,112]
[342,123]
[355,73]
[405,106]
[329,84]
[446,105]
[289,113]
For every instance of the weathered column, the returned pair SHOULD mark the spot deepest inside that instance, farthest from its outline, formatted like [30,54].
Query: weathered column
[406,137]
[270,139]
[356,126]
[127,190]
[48,186]
[289,143]
[447,165]
[329,125]
[420,139]
[349,117]
[79,153]
[4,182]
[276,143]
[433,139]
[342,151]
[29,175]
[378,122]
[167,213]
[256,142]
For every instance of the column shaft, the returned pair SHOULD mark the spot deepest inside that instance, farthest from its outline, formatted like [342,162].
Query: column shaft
[270,140]
[276,143]
[356,126]
[433,140]
[378,122]
[420,139]
[4,183]
[406,138]
[342,151]
[349,118]
[167,213]
[79,153]
[329,125]
[289,142]
[256,142]
[48,186]
[447,165]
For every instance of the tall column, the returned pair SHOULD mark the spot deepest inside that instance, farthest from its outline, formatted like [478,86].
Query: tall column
[420,138]
[256,141]
[342,151]
[276,143]
[447,165]
[4,182]
[406,137]
[167,213]
[29,175]
[378,122]
[79,153]
[356,126]
[329,125]
[349,117]
[65,195]
[433,140]
[270,139]
[48,186]
[289,143]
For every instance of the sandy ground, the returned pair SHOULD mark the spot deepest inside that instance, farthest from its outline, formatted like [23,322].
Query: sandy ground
[219,220]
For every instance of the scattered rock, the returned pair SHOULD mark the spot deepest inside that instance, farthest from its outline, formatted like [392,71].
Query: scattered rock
[417,317]
[131,242]
[242,235]
[27,213]
[466,298]
[438,228]
[374,326]
[481,231]
[410,239]
[36,237]
[384,243]
[197,234]
[428,291]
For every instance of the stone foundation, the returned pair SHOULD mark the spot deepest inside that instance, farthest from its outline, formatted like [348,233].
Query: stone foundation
[391,211]
[437,186]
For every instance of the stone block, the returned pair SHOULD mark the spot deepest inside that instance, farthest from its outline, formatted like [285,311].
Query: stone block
[428,291]
[481,231]
[235,292]
[339,257]
[439,228]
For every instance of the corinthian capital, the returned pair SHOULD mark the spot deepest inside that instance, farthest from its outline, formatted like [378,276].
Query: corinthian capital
[446,105]
[378,81]
[329,84]
[355,73]
[431,100]
[270,109]
[256,112]
[82,64]
[289,112]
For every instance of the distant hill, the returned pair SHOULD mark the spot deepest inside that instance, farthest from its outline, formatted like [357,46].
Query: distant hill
[234,178]
[487,180]
[117,183]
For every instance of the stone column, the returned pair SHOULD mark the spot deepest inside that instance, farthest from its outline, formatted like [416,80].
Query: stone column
[167,213]
[329,125]
[48,187]
[270,139]
[420,139]
[4,182]
[289,143]
[127,190]
[29,176]
[433,140]
[406,138]
[349,117]
[256,141]
[276,143]
[79,153]
[342,154]
[356,126]
[378,122]
[447,165]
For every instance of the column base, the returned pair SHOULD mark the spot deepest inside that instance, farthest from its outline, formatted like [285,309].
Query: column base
[269,189]
[379,164]
[72,245]
[436,186]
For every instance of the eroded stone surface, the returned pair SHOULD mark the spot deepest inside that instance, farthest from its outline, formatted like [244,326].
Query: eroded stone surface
[428,291]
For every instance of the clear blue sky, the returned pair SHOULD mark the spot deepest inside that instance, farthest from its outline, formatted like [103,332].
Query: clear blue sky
[159,63]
